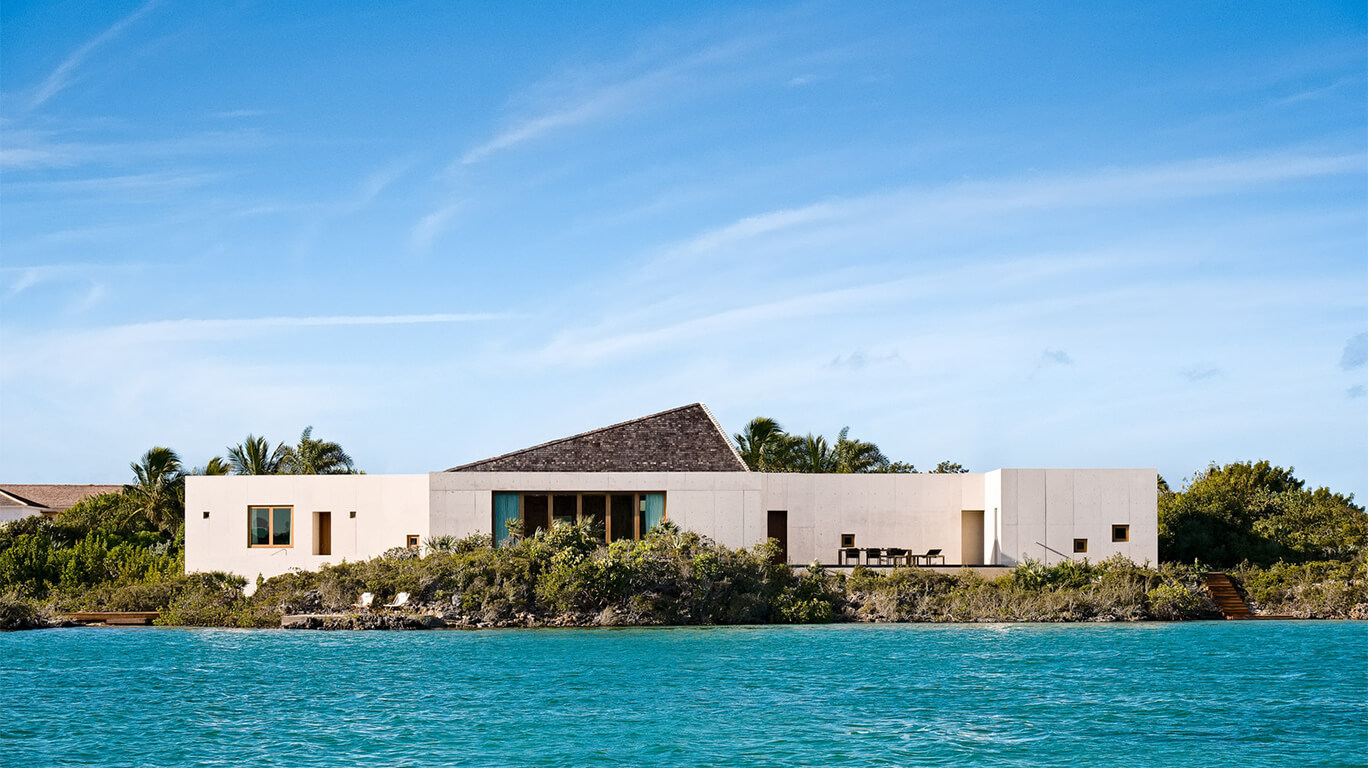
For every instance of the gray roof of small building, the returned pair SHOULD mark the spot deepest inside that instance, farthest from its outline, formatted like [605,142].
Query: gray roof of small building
[685,439]
[50,496]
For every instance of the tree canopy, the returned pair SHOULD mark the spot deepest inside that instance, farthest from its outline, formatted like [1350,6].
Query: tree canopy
[1259,513]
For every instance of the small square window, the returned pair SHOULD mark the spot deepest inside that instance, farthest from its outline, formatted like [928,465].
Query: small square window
[1080,546]
[1120,533]
[847,540]
[352,514]
[412,541]
[206,514]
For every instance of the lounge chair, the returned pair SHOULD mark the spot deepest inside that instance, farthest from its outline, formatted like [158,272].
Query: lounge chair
[400,600]
[930,555]
[849,553]
[897,553]
[364,603]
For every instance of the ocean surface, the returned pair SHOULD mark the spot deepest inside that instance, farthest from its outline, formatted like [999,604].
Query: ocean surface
[1155,694]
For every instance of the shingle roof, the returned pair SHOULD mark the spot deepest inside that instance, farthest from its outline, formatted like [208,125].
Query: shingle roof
[685,439]
[50,496]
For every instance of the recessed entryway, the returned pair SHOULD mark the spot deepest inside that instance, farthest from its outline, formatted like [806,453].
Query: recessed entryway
[971,537]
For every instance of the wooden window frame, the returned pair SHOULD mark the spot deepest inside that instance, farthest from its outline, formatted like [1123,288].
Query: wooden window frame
[847,540]
[1125,530]
[1080,546]
[271,530]
[638,499]
[413,541]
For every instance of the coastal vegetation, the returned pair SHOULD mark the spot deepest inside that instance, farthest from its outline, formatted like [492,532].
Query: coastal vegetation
[766,447]
[1259,514]
[1293,551]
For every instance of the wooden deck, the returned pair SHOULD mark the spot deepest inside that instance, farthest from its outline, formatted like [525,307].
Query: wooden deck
[114,618]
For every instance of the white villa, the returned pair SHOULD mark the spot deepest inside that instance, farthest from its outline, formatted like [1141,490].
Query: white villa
[676,465]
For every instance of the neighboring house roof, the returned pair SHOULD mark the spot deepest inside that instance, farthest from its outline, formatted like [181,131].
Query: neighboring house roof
[50,497]
[686,439]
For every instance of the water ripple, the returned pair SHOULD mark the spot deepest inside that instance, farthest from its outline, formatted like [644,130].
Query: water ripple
[1199,694]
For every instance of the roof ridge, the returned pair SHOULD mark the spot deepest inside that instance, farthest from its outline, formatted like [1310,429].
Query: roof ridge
[595,431]
[730,444]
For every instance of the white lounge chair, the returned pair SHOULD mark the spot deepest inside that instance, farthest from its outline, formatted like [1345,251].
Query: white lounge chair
[400,600]
[364,603]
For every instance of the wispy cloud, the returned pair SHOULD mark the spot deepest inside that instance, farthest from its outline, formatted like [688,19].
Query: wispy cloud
[600,102]
[860,360]
[1356,391]
[431,226]
[20,279]
[926,208]
[121,185]
[1055,357]
[65,73]
[29,150]
[194,329]
[1198,373]
[1355,352]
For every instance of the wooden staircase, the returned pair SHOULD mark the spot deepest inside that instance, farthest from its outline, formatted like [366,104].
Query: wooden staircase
[1227,598]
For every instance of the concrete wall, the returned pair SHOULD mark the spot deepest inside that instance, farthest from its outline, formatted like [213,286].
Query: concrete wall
[1026,512]
[720,505]
[915,512]
[388,508]
[1043,510]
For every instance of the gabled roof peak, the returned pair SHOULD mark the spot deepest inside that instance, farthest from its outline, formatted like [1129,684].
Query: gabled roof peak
[683,439]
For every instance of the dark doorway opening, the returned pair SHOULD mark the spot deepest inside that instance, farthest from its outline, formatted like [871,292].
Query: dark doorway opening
[778,530]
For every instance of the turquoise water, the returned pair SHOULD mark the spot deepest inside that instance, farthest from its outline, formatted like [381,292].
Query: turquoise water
[1199,694]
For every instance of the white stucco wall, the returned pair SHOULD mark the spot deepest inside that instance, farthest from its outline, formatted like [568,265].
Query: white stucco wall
[11,514]
[1044,510]
[1026,512]
[388,508]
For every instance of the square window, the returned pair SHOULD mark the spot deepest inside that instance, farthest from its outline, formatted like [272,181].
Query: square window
[270,526]
[412,541]
[1080,545]
[352,514]
[206,514]
[847,540]
[1120,533]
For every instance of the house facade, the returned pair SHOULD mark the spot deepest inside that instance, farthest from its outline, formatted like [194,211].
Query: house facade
[680,466]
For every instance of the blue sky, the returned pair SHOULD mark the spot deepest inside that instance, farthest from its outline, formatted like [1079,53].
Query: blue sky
[1002,234]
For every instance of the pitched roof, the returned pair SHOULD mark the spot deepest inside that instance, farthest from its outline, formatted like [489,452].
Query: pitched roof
[685,439]
[50,496]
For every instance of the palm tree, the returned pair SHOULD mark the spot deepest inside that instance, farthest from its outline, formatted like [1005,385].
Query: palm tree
[315,457]
[216,466]
[254,456]
[814,455]
[758,443]
[159,490]
[856,455]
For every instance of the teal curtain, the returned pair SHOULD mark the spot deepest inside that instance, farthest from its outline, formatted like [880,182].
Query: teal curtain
[655,510]
[505,509]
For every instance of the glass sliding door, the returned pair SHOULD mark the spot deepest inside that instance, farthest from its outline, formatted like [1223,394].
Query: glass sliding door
[564,508]
[614,516]
[594,508]
[536,514]
[653,505]
[622,521]
[505,511]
